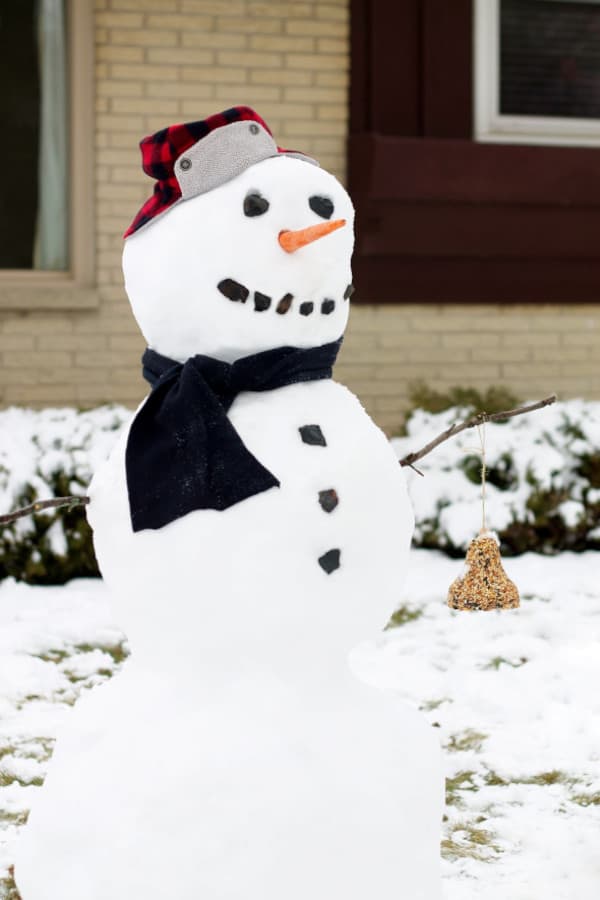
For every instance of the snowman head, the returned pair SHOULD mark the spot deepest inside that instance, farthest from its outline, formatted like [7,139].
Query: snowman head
[243,247]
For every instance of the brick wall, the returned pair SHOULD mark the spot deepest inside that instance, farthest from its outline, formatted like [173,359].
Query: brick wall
[161,61]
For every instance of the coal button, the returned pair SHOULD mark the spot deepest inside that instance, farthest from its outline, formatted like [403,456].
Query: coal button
[328,500]
[312,434]
[330,561]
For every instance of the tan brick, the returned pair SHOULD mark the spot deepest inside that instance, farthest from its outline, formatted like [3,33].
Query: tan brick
[462,339]
[98,358]
[213,75]
[333,79]
[324,29]
[338,13]
[526,370]
[119,89]
[130,37]
[501,354]
[530,339]
[110,156]
[282,43]
[291,111]
[582,339]
[119,191]
[280,10]
[112,323]
[176,90]
[119,54]
[213,41]
[22,359]
[144,71]
[332,45]
[249,25]
[18,378]
[253,94]
[314,61]
[132,344]
[119,19]
[123,139]
[190,56]
[215,8]
[315,95]
[564,354]
[16,342]
[194,109]
[280,76]
[180,22]
[585,367]
[70,342]
[327,145]
[249,58]
[331,112]
[39,395]
[31,325]
[146,5]
[157,105]
[314,128]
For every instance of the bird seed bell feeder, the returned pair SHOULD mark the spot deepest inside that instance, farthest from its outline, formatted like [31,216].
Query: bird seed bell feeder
[484,584]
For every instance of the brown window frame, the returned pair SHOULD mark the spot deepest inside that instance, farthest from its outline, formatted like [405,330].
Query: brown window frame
[441,217]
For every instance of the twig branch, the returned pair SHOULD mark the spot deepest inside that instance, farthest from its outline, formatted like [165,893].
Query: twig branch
[477,419]
[39,505]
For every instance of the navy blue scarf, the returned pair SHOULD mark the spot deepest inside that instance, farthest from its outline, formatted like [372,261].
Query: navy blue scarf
[182,452]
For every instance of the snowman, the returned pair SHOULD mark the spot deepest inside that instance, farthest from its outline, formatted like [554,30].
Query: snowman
[253,525]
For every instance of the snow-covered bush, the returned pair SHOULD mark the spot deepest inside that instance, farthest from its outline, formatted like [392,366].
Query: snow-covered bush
[543,483]
[51,453]
[543,479]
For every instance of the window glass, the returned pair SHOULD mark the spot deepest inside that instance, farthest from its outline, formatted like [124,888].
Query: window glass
[34,149]
[550,58]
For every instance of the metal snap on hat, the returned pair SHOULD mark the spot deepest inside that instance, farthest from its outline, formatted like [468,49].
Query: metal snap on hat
[193,158]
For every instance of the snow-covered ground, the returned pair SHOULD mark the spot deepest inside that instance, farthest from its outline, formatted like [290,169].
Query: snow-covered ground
[514,695]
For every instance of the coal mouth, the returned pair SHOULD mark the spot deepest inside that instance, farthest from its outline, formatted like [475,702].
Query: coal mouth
[238,293]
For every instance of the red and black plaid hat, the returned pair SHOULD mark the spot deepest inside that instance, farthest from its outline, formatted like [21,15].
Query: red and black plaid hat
[216,150]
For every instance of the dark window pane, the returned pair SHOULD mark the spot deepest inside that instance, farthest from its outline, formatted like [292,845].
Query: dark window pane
[550,58]
[19,107]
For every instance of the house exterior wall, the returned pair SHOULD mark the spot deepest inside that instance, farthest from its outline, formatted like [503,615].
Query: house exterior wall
[162,61]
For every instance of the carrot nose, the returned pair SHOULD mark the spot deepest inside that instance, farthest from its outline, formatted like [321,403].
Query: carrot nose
[293,240]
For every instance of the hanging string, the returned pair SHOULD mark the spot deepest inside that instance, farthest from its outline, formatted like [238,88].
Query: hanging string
[481,433]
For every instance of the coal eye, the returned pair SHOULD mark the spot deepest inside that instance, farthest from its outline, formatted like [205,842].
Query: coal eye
[255,205]
[322,206]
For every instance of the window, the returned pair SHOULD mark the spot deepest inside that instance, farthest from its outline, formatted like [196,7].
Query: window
[537,71]
[33,61]
[46,220]
[442,216]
